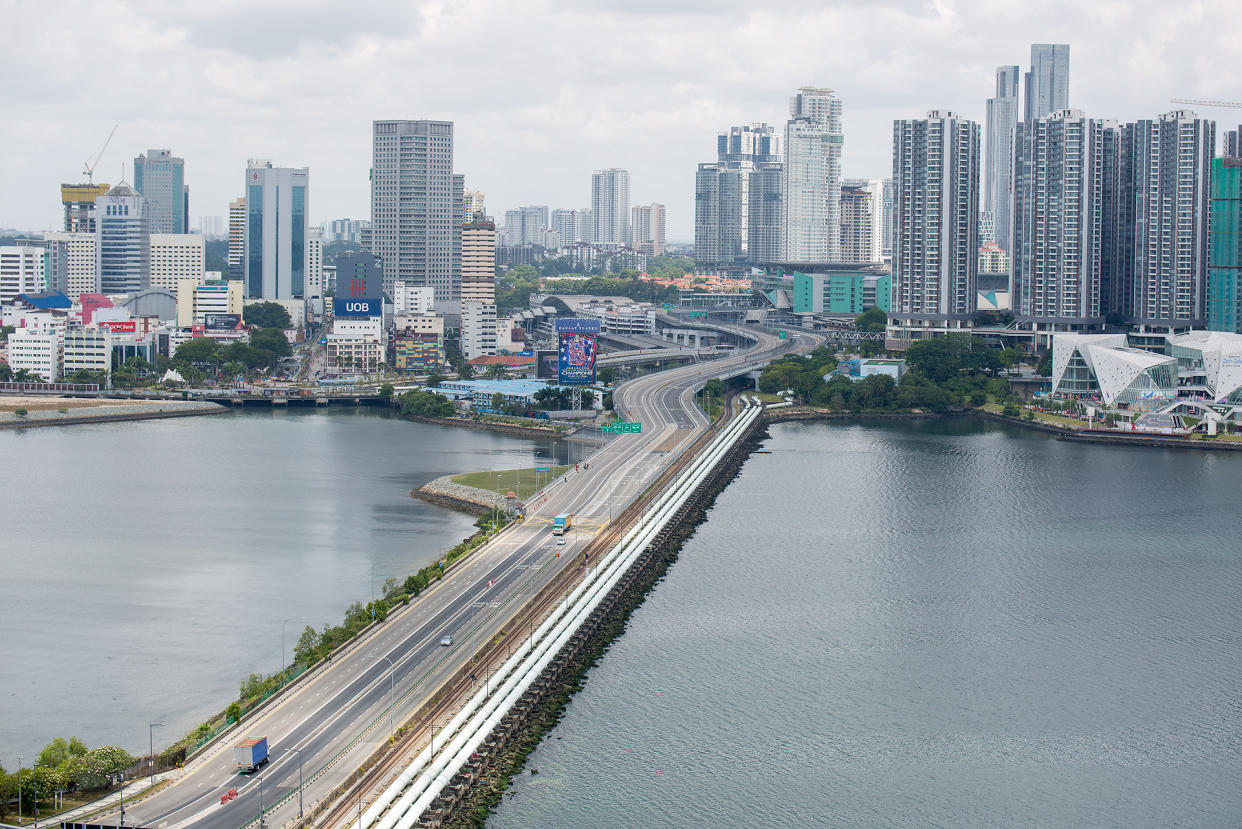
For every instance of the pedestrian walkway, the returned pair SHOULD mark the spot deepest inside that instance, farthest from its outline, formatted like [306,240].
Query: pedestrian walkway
[134,789]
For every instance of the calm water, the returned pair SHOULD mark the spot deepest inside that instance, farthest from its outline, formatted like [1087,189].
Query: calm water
[936,624]
[148,566]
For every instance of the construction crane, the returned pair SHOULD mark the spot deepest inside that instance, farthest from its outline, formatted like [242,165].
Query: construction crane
[1197,102]
[89,172]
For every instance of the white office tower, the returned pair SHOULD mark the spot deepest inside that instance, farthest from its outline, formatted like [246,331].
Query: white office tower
[22,271]
[122,241]
[863,218]
[1002,116]
[473,204]
[277,204]
[1065,182]
[314,263]
[417,206]
[936,243]
[1165,173]
[1047,82]
[648,228]
[812,177]
[478,329]
[572,226]
[610,207]
[237,236]
[478,261]
[71,264]
[36,351]
[174,257]
[408,299]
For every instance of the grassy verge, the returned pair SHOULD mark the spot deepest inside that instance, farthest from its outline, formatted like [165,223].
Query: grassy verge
[519,481]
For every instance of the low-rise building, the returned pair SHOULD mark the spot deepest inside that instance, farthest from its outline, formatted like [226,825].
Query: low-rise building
[478,393]
[1104,367]
[840,292]
[197,301]
[87,348]
[478,329]
[628,318]
[38,352]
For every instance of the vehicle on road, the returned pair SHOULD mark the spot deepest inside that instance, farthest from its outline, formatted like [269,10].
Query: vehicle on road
[446,640]
[249,754]
[560,541]
[562,522]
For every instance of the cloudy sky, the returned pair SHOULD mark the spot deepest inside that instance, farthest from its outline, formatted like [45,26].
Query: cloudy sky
[542,91]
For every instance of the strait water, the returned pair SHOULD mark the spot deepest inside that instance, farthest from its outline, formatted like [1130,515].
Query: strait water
[147,567]
[945,623]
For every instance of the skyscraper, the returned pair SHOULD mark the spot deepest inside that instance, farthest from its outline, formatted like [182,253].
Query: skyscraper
[610,207]
[726,229]
[237,238]
[1002,115]
[765,212]
[417,206]
[936,242]
[123,241]
[572,226]
[871,206]
[478,261]
[525,225]
[473,205]
[277,203]
[1233,143]
[647,228]
[812,177]
[160,178]
[718,228]
[79,204]
[1225,256]
[1047,82]
[1065,187]
[1165,172]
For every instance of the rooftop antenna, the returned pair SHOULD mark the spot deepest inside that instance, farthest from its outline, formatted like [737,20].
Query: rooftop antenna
[89,166]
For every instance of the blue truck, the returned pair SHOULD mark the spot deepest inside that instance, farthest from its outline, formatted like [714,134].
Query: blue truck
[249,754]
[562,523]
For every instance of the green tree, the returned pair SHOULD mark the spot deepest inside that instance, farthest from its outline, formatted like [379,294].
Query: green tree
[1044,367]
[874,319]
[273,340]
[267,315]
[435,379]
[59,750]
[386,391]
[202,351]
[98,767]
[607,375]
[498,401]
[306,650]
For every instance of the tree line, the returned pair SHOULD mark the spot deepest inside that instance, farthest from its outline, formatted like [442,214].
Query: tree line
[62,765]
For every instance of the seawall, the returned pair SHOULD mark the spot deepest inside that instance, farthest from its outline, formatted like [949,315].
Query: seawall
[468,800]
[110,414]
[538,432]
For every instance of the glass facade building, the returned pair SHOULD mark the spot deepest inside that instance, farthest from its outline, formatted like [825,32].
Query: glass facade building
[277,201]
[1225,251]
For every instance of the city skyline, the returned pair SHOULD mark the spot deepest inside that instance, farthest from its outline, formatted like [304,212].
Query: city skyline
[240,89]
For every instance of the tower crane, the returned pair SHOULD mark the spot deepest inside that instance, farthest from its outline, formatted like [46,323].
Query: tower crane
[1202,103]
[89,172]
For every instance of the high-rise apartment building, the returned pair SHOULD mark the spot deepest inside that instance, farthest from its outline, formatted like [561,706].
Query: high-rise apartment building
[160,178]
[1163,259]
[212,227]
[1047,82]
[648,228]
[719,234]
[1002,116]
[478,261]
[74,256]
[1225,254]
[748,144]
[936,243]
[1064,221]
[812,177]
[175,257]
[738,205]
[277,204]
[22,271]
[765,206]
[863,222]
[1232,144]
[237,238]
[417,206]
[473,204]
[525,225]
[122,241]
[314,264]
[79,204]
[572,226]
[610,207]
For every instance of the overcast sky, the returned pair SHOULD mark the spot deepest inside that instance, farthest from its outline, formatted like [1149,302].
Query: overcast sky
[542,91]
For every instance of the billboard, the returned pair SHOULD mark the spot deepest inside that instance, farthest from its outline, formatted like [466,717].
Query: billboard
[121,327]
[575,325]
[547,366]
[221,322]
[358,307]
[576,363]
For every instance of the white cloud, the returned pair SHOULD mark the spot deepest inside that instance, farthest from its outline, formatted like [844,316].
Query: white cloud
[541,92]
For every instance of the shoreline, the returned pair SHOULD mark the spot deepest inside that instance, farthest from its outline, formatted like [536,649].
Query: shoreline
[488,426]
[111,414]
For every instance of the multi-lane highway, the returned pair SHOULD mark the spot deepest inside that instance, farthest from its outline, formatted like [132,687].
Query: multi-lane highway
[332,720]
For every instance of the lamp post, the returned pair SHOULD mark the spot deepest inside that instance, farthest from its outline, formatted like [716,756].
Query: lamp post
[299,751]
[122,794]
[19,790]
[261,822]
[151,726]
[34,786]
[391,692]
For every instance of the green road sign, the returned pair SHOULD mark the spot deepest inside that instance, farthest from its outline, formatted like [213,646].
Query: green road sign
[780,335]
[694,314]
[668,306]
[542,469]
[631,427]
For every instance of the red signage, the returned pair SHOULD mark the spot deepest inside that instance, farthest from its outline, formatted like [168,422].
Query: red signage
[129,327]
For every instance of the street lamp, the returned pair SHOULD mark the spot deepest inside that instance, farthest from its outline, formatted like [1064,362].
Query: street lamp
[151,726]
[261,822]
[299,751]
[19,789]
[391,691]
[122,794]
[34,776]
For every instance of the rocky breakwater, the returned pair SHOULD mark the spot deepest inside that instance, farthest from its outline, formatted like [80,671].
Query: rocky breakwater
[443,492]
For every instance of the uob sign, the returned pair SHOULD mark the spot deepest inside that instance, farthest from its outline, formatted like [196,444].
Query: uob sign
[351,307]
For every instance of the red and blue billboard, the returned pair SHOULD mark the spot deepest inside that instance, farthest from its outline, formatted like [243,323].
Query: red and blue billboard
[577,341]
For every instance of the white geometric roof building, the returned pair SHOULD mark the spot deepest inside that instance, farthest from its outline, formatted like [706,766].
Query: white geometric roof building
[1086,365]
[1214,359]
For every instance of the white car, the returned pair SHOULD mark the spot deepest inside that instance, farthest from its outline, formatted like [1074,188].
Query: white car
[446,640]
